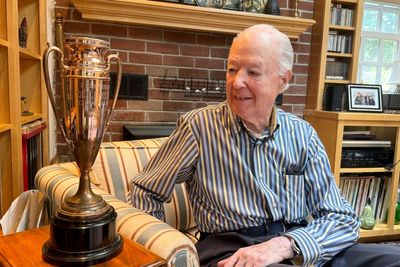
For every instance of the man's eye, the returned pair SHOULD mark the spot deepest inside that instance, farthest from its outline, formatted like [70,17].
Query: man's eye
[254,73]
[231,70]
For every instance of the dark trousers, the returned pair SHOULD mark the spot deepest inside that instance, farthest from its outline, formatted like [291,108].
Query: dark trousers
[213,248]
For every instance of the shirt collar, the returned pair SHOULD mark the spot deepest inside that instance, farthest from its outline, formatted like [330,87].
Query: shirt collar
[238,125]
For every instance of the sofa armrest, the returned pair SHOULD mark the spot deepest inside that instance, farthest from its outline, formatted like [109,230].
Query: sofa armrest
[57,183]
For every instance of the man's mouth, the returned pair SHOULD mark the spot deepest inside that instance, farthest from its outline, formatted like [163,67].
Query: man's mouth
[243,97]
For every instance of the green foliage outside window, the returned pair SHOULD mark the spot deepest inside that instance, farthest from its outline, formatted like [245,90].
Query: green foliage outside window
[380,42]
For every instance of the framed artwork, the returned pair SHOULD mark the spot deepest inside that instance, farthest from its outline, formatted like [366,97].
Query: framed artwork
[365,97]
[233,5]
[133,86]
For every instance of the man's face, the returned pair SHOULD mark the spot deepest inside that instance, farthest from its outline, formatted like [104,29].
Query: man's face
[252,79]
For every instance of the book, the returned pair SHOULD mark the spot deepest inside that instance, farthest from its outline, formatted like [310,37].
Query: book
[374,199]
[346,186]
[32,153]
[381,199]
[350,193]
[364,194]
[360,195]
[355,189]
[30,129]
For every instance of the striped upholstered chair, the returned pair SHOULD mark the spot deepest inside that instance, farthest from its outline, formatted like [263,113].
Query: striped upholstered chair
[116,164]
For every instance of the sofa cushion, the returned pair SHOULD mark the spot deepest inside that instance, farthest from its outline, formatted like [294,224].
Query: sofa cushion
[118,162]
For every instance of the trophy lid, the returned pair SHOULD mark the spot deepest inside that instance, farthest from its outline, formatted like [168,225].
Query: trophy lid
[86,56]
[86,41]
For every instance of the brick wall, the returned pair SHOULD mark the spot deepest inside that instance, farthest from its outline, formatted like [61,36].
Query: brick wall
[178,56]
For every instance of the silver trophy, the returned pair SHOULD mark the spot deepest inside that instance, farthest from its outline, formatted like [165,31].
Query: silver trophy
[83,229]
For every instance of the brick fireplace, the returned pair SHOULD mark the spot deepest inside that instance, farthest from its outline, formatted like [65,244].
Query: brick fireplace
[176,57]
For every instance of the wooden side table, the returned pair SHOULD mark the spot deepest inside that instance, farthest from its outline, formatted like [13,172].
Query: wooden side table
[25,249]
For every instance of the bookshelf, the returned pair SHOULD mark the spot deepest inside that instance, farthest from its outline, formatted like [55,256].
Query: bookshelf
[335,47]
[20,75]
[331,127]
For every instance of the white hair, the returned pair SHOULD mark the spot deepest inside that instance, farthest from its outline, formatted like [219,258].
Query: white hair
[281,42]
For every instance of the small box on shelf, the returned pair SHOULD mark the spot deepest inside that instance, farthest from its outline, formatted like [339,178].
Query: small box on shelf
[335,97]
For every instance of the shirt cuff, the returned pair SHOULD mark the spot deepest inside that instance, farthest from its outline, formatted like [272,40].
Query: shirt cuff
[309,247]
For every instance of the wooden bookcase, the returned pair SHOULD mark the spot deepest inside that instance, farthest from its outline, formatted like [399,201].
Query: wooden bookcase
[331,125]
[20,75]
[317,78]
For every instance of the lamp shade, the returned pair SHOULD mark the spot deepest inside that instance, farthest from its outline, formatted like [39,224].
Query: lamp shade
[395,77]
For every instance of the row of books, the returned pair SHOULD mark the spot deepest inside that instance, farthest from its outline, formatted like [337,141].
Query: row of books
[341,16]
[339,43]
[357,189]
[336,70]
[32,144]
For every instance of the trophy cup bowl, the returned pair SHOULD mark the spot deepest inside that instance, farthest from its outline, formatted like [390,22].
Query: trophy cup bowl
[83,229]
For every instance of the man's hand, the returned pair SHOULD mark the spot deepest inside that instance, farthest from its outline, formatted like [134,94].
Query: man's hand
[272,251]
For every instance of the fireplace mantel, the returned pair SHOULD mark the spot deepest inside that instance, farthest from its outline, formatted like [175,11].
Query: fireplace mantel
[185,17]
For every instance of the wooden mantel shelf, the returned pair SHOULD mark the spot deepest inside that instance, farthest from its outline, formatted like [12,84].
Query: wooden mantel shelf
[185,17]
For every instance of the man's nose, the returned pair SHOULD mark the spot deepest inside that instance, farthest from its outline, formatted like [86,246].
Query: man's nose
[239,79]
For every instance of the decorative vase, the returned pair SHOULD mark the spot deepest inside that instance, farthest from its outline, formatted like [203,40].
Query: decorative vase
[397,213]
[367,217]
[272,7]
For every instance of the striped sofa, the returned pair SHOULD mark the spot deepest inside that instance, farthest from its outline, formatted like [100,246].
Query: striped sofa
[116,164]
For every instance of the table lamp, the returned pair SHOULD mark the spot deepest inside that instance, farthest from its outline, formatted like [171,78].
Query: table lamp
[395,77]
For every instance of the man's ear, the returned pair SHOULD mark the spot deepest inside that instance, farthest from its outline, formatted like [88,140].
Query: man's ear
[285,78]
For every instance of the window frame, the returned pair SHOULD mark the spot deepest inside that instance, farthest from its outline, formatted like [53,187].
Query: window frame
[382,6]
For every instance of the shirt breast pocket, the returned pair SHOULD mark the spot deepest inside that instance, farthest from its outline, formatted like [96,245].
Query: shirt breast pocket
[295,198]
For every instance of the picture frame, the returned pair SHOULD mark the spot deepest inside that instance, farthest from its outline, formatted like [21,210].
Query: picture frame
[364,97]
[133,86]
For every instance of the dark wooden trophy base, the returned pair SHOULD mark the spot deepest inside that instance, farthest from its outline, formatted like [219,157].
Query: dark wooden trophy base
[78,241]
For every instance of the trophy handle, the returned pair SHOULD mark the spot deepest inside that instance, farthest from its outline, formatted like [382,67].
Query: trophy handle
[117,85]
[52,48]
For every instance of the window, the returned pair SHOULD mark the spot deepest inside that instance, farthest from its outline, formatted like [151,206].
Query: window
[380,43]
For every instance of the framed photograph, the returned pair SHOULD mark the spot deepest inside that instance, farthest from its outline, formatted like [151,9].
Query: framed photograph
[365,97]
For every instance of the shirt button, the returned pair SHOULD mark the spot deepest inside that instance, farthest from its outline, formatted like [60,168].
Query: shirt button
[274,204]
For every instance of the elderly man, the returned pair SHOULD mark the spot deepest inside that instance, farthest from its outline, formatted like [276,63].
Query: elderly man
[253,172]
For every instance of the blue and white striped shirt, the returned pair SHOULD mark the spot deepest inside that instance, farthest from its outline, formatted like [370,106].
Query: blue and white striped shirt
[237,181]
